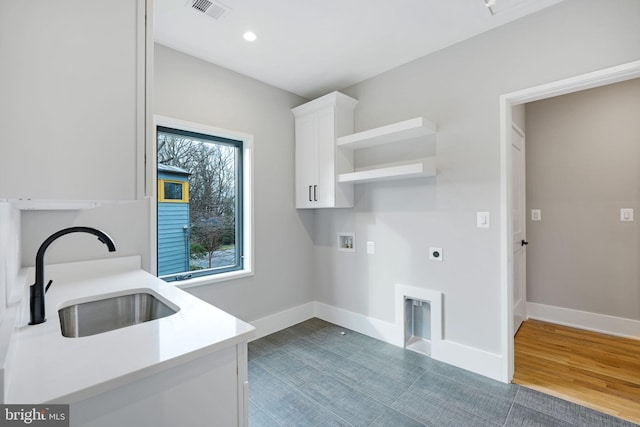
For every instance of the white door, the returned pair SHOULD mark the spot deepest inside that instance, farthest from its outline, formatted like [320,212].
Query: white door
[519,228]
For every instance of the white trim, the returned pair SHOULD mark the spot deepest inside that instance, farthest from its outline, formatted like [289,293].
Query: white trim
[375,328]
[470,358]
[152,268]
[144,103]
[148,157]
[506,242]
[211,279]
[596,78]
[247,179]
[517,129]
[283,319]
[595,322]
[507,101]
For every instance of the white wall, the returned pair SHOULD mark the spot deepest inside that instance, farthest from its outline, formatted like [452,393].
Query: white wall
[190,89]
[9,290]
[127,223]
[458,88]
[9,253]
[583,165]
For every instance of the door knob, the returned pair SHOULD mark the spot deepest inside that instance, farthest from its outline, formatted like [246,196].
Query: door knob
[524,243]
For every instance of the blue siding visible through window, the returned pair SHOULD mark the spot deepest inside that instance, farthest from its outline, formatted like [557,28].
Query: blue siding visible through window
[201,235]
[173,238]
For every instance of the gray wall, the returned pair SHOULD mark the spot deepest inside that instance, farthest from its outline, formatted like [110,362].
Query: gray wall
[583,165]
[190,89]
[458,88]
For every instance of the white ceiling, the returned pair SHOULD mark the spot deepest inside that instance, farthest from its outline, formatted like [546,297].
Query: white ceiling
[312,47]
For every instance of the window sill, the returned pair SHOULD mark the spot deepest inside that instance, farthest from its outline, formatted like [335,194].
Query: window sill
[214,278]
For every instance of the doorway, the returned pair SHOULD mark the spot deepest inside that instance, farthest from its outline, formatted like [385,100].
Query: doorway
[507,101]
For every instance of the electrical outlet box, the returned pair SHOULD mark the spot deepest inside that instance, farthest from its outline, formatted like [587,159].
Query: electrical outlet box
[435,254]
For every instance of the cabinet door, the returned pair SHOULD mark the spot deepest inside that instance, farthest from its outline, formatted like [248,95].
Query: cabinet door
[325,158]
[199,393]
[306,161]
[72,106]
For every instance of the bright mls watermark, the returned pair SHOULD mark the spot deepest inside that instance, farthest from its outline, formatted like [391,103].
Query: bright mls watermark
[34,415]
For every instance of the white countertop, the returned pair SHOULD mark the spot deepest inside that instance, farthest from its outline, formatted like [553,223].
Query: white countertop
[48,367]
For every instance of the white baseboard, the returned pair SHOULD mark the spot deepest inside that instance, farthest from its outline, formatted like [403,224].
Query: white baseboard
[378,329]
[610,325]
[462,356]
[283,319]
[470,358]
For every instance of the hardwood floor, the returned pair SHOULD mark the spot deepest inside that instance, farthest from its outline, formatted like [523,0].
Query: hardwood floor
[599,371]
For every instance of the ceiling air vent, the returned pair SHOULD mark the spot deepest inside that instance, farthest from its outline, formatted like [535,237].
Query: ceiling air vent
[213,9]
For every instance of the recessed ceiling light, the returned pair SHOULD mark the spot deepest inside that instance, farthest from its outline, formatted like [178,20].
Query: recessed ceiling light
[250,36]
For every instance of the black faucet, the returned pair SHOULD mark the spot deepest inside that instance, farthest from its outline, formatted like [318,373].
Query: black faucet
[37,290]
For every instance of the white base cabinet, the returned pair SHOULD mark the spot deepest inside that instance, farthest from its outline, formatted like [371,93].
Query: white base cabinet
[208,391]
[73,117]
[318,162]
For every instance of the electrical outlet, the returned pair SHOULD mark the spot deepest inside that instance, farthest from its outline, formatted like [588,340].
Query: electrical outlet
[626,214]
[435,254]
[371,248]
[483,220]
[536,215]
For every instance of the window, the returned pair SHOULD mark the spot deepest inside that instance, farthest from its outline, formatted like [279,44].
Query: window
[202,227]
[173,191]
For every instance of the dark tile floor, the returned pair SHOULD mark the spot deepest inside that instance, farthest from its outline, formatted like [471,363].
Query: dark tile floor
[312,374]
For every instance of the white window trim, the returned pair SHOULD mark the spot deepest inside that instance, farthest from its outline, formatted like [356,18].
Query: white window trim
[247,212]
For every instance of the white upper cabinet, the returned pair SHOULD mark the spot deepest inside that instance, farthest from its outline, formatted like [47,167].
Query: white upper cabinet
[326,162]
[73,116]
[317,125]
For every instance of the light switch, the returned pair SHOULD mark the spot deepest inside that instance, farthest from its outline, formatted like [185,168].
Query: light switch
[371,247]
[626,214]
[483,220]
[536,215]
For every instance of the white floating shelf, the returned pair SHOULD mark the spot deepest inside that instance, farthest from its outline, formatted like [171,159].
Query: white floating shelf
[52,205]
[407,129]
[422,169]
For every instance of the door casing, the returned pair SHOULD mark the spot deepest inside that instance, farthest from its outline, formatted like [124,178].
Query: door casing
[590,80]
